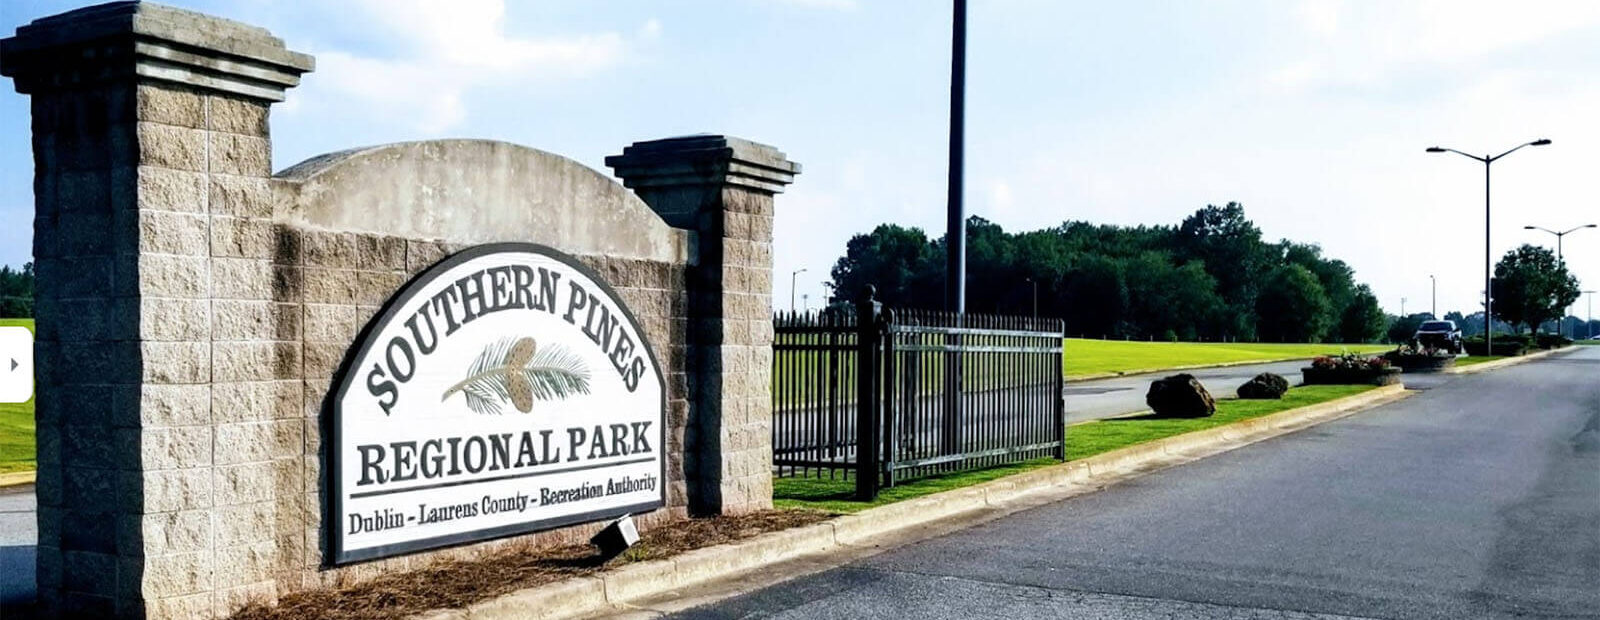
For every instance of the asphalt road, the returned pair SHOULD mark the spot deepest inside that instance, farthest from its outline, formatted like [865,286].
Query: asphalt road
[18,535]
[1478,498]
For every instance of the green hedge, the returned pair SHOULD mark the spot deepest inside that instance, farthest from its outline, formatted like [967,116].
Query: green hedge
[1505,345]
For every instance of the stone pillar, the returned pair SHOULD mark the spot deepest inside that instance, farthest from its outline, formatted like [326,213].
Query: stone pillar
[157,489]
[722,189]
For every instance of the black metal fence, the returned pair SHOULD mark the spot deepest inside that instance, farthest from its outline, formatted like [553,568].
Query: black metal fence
[885,396]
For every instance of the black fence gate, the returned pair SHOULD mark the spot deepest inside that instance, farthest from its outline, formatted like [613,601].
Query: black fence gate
[883,396]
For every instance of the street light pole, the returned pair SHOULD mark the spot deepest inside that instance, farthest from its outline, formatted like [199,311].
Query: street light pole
[792,275]
[1561,327]
[1488,256]
[1559,235]
[1435,297]
[955,299]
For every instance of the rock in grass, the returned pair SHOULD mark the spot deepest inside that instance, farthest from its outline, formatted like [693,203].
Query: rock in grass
[1265,386]
[1180,396]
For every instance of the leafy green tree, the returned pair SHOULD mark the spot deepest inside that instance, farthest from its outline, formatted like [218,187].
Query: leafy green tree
[1532,286]
[1200,280]
[890,258]
[1293,307]
[1097,283]
[1336,277]
[16,292]
[1363,319]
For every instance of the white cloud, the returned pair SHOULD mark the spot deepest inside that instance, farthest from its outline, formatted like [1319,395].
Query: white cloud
[1000,199]
[1375,44]
[1321,16]
[651,29]
[453,47]
[836,5]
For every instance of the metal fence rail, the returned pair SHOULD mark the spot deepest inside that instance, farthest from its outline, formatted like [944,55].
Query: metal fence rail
[970,391]
[885,396]
[814,366]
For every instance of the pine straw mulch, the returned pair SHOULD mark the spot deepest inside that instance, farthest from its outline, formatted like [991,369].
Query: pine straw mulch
[457,584]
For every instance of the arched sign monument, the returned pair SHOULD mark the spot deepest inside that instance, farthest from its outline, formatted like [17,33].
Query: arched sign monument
[504,390]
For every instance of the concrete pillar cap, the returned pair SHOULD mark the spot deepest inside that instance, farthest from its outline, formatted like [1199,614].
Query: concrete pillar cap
[704,160]
[150,42]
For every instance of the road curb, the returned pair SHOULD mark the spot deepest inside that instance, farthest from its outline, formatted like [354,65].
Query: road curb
[18,479]
[614,590]
[1510,361]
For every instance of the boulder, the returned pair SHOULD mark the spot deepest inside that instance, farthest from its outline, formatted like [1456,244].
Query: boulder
[1180,396]
[1265,386]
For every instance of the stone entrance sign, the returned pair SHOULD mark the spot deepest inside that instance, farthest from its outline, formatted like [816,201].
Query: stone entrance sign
[225,355]
[505,390]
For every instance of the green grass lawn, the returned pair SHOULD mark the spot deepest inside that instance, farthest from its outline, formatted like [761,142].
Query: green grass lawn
[16,426]
[1083,440]
[1478,359]
[1094,357]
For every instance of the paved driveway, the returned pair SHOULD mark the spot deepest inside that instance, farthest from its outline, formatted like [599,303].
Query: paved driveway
[1479,498]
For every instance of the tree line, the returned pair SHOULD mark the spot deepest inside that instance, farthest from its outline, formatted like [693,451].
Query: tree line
[1210,278]
[16,292]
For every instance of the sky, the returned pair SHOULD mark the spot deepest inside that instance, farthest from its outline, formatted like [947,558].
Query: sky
[1314,114]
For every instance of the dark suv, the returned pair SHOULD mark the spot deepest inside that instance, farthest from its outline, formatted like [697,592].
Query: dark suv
[1440,334]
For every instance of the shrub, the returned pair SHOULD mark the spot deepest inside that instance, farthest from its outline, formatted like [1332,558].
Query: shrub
[1552,341]
[1349,361]
[1412,350]
[1509,346]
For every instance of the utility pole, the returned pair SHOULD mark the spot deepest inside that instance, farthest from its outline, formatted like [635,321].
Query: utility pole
[955,299]
[1435,301]
[1402,307]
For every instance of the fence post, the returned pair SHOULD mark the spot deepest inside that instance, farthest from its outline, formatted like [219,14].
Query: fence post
[888,404]
[1061,395]
[867,394]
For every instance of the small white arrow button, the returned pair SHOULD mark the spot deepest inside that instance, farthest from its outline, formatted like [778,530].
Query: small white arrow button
[16,378]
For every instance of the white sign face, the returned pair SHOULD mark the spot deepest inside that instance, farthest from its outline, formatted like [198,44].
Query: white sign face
[505,390]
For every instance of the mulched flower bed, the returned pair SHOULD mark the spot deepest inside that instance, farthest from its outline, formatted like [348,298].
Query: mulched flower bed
[455,584]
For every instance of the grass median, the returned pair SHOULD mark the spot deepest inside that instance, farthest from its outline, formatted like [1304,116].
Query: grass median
[17,452]
[1474,360]
[1086,358]
[1083,440]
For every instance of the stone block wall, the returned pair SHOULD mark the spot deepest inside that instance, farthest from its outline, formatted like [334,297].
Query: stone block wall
[161,417]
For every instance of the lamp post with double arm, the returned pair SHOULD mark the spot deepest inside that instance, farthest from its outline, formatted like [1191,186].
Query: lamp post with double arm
[1488,257]
[1559,235]
[1561,326]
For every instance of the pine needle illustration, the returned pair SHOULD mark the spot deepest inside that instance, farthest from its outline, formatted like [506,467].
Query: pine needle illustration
[519,371]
